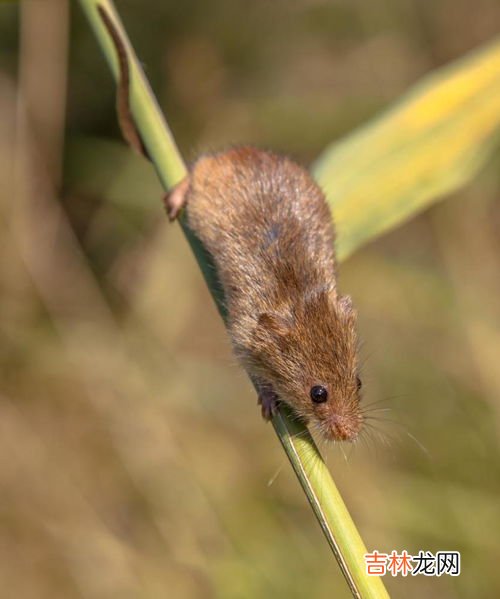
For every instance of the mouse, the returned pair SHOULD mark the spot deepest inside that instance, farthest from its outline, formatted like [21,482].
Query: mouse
[269,231]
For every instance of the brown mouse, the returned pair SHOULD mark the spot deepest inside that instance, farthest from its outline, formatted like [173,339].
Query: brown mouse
[269,231]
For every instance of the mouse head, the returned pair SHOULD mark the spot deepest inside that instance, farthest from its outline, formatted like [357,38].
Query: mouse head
[309,353]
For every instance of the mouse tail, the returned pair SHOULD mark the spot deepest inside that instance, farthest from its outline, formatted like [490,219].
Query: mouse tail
[125,117]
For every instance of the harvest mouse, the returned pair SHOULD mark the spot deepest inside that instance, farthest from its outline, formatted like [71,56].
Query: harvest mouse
[269,231]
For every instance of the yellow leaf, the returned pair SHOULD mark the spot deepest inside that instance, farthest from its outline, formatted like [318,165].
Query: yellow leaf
[431,143]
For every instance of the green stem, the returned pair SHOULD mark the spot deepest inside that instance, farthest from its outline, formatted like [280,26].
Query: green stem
[298,444]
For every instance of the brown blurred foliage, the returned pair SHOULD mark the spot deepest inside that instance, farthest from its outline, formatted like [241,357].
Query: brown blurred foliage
[133,461]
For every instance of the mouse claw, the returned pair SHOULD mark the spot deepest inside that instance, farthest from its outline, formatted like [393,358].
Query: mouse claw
[175,199]
[268,400]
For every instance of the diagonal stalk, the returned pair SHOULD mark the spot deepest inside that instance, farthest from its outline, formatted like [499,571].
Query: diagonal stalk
[298,444]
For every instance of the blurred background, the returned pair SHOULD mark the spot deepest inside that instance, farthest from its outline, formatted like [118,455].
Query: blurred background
[133,459]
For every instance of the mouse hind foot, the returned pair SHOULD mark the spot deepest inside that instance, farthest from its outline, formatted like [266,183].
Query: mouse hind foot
[175,199]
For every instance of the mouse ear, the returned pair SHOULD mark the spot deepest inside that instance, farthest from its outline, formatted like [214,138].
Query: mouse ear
[274,323]
[345,305]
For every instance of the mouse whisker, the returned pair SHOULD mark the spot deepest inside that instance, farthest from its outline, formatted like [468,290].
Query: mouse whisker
[299,435]
[372,410]
[367,439]
[389,398]
[420,445]
[275,475]
[341,446]
[394,435]
[376,432]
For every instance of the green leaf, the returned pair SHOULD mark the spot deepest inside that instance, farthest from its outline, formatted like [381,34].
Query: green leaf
[432,142]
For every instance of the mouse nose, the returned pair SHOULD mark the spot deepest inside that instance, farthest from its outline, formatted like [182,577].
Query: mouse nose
[345,427]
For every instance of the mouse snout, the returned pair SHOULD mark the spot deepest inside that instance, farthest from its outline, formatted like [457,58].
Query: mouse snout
[343,427]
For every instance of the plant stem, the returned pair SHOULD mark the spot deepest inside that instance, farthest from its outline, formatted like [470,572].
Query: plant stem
[298,444]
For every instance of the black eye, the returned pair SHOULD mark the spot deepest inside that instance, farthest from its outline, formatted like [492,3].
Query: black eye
[319,394]
[359,384]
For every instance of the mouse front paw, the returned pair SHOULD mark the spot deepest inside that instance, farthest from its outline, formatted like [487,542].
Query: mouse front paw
[268,400]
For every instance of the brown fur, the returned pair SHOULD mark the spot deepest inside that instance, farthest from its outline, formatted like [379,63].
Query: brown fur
[269,230]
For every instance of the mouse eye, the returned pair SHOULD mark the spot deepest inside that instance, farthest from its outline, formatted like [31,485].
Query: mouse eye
[359,384]
[319,394]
